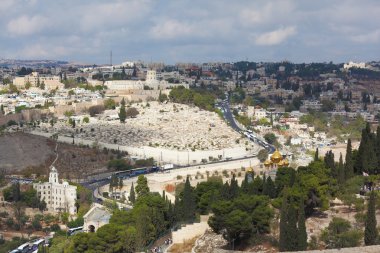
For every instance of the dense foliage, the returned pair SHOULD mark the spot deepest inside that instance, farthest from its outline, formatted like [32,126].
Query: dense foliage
[368,155]
[200,98]
[28,198]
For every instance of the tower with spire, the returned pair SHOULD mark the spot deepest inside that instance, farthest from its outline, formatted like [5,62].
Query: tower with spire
[59,197]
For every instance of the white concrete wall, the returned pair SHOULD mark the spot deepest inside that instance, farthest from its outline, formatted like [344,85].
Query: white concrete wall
[162,155]
[189,231]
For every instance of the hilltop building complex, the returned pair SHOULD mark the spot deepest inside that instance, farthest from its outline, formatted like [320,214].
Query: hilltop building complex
[59,197]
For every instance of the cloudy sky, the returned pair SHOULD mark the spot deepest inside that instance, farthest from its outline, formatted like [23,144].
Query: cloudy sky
[190,30]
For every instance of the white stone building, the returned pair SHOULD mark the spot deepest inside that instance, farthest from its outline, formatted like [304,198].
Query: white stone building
[58,197]
[51,82]
[96,217]
[360,65]
[151,81]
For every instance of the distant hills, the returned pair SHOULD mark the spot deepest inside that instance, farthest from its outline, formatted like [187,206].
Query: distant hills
[37,63]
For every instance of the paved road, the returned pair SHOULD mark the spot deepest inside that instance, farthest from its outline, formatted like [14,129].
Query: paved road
[228,116]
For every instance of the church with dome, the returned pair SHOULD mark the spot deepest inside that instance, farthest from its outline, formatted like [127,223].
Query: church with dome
[59,197]
[276,161]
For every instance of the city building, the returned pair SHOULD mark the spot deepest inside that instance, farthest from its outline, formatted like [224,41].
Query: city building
[351,64]
[34,79]
[151,82]
[96,217]
[59,197]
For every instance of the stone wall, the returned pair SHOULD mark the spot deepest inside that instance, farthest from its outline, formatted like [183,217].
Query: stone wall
[78,108]
[25,115]
[135,95]
[190,231]
[367,249]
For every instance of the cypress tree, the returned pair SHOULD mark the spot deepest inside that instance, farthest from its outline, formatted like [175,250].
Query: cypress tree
[234,188]
[360,156]
[122,112]
[225,191]
[329,157]
[132,195]
[330,163]
[265,187]
[244,184]
[349,166]
[370,232]
[377,148]
[292,233]
[316,156]
[177,209]
[284,224]
[371,155]
[188,202]
[257,186]
[271,188]
[341,170]
[302,234]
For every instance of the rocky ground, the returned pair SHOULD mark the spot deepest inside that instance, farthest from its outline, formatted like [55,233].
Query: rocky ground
[170,126]
[208,242]
[30,154]
[19,150]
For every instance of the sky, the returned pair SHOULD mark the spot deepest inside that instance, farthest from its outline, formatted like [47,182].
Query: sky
[174,31]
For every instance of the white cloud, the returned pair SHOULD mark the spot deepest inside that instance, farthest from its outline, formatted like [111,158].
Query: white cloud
[7,4]
[113,14]
[371,37]
[275,37]
[153,29]
[25,25]
[171,29]
[270,12]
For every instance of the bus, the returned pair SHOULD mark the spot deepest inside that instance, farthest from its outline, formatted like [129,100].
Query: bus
[73,231]
[36,244]
[23,248]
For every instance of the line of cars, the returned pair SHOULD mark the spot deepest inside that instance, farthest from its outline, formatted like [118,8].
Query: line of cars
[30,247]
[253,137]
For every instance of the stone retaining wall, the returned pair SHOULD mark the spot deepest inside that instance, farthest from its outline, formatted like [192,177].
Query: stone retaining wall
[367,249]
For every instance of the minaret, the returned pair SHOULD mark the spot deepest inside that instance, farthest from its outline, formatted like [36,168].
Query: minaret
[53,175]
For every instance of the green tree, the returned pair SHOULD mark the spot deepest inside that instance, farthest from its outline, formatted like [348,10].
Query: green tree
[284,236]
[270,138]
[162,97]
[339,234]
[316,155]
[349,165]
[302,234]
[370,232]
[262,155]
[188,202]
[292,231]
[328,105]
[237,223]
[270,188]
[122,112]
[234,187]
[142,186]
[28,85]
[132,197]
[341,175]
[109,104]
